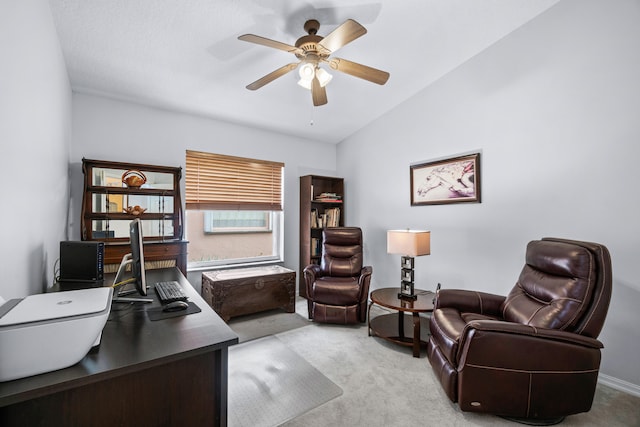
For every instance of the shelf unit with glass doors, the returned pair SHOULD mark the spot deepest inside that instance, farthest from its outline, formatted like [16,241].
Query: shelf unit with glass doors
[115,193]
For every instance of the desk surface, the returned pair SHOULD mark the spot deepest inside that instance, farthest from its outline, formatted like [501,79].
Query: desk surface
[131,342]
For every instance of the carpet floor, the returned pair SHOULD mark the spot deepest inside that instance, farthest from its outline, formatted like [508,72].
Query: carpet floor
[270,384]
[383,385]
[267,323]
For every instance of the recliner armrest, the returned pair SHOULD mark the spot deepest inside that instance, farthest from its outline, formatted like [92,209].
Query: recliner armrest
[311,272]
[366,271]
[526,330]
[365,281]
[470,301]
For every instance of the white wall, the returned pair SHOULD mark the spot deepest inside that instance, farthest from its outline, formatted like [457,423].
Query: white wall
[35,126]
[554,110]
[107,129]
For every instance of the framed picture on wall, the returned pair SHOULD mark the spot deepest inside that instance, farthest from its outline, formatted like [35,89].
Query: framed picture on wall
[452,180]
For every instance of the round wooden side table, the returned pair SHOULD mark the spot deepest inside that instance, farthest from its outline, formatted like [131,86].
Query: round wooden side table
[401,328]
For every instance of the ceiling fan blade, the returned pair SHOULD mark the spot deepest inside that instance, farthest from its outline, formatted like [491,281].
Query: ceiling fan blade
[252,38]
[318,93]
[358,70]
[272,76]
[345,33]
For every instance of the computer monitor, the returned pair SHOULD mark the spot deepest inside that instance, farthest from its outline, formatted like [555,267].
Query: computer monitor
[137,254]
[134,259]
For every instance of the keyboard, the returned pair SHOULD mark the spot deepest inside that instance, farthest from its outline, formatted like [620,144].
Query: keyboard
[170,292]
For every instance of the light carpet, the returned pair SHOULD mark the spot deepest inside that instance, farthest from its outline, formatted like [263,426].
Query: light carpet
[267,323]
[384,386]
[270,384]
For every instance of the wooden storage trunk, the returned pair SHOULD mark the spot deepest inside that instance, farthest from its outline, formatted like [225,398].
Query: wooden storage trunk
[249,290]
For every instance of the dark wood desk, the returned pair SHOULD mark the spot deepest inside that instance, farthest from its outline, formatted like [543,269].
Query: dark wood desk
[146,373]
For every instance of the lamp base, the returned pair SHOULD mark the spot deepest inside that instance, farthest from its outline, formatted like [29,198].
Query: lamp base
[407,297]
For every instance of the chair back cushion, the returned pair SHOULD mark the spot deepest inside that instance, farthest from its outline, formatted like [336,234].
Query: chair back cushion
[564,285]
[342,251]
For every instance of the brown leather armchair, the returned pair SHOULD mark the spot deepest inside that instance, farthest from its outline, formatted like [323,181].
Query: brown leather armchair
[338,288]
[533,355]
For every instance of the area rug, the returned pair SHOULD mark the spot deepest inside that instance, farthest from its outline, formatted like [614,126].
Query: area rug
[270,384]
[266,323]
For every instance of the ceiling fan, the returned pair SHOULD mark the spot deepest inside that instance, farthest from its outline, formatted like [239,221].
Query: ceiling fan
[312,50]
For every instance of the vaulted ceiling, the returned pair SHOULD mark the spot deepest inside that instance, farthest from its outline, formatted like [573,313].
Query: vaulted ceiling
[184,55]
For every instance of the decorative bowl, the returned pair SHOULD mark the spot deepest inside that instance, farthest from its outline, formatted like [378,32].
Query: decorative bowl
[135,210]
[133,178]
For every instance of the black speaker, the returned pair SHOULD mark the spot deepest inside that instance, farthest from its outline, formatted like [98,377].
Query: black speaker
[81,264]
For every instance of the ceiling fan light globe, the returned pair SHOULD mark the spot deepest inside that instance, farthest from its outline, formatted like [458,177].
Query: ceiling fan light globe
[307,72]
[305,83]
[323,77]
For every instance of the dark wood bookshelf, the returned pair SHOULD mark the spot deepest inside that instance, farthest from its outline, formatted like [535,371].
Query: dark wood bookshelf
[311,187]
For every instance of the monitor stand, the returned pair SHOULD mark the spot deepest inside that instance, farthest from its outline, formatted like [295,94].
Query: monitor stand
[131,299]
[121,298]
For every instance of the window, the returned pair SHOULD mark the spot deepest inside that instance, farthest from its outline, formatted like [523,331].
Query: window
[234,209]
[237,221]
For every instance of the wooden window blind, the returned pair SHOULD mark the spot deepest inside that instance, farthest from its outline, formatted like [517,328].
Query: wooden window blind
[215,181]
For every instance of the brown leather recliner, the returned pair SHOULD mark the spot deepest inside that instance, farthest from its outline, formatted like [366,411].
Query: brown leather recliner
[338,288]
[533,355]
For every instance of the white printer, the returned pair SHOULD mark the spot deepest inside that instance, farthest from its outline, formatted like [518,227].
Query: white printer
[46,332]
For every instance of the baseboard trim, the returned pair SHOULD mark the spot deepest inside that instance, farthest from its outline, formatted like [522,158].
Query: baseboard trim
[620,385]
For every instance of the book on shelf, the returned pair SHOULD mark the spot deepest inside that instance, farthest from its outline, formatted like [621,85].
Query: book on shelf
[335,218]
[315,246]
[329,218]
[328,197]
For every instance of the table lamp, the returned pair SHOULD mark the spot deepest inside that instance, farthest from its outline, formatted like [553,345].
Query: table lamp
[409,244]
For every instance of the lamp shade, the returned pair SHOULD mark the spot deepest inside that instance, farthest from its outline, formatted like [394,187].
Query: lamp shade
[409,242]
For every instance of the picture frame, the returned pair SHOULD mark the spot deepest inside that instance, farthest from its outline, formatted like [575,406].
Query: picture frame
[451,180]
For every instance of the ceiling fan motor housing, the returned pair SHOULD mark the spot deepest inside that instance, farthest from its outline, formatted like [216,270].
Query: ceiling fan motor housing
[309,44]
